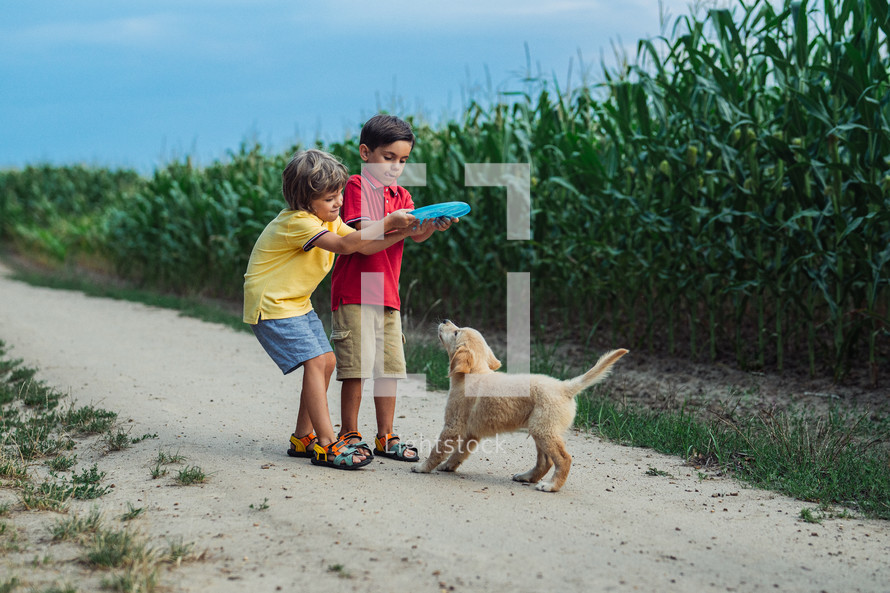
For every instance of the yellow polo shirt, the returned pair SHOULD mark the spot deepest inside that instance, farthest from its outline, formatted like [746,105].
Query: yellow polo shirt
[285,266]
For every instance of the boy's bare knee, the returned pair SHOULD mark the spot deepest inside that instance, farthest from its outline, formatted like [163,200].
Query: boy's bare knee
[322,363]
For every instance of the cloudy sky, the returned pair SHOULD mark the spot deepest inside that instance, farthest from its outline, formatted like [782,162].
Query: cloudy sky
[139,83]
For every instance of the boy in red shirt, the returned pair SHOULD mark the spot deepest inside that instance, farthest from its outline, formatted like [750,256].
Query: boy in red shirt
[367,327]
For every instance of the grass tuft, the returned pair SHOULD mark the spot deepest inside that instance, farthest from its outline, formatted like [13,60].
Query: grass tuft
[825,459]
[191,475]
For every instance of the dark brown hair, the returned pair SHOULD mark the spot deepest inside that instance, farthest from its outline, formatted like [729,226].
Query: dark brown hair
[310,174]
[384,129]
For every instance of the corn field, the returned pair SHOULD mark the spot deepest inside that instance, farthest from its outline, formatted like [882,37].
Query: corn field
[725,196]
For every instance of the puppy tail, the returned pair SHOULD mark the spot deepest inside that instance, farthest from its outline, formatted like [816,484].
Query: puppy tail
[600,371]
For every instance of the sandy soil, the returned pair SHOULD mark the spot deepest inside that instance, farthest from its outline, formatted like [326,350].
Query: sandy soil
[212,395]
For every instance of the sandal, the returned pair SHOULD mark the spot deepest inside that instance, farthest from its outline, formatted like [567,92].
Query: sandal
[354,434]
[394,451]
[300,446]
[338,455]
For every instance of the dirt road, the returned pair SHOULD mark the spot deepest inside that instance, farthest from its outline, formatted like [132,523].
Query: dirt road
[212,395]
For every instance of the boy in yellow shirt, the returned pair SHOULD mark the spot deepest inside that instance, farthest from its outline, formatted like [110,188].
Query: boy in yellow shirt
[290,258]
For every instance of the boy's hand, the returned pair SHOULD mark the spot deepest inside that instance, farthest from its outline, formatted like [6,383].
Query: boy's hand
[419,228]
[402,219]
[443,223]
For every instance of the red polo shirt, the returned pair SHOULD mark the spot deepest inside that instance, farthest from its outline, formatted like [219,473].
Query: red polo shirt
[365,200]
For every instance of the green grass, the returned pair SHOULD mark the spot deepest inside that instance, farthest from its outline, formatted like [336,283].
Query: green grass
[87,420]
[263,506]
[165,457]
[31,424]
[132,512]
[428,359]
[178,551]
[834,460]
[62,463]
[115,549]
[76,526]
[190,475]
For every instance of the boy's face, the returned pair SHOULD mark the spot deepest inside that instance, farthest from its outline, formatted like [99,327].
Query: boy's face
[327,206]
[386,162]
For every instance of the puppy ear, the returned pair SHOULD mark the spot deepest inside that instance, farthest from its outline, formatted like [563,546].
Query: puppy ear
[461,360]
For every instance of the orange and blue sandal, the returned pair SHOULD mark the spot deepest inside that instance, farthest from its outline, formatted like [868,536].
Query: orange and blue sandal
[396,450]
[301,446]
[339,455]
[361,444]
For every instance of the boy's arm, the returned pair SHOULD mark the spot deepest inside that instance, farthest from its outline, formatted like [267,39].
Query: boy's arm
[399,222]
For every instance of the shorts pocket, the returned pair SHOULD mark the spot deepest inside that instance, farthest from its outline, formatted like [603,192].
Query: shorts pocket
[338,335]
[344,348]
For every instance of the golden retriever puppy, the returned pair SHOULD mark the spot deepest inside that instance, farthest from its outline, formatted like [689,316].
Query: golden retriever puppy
[483,403]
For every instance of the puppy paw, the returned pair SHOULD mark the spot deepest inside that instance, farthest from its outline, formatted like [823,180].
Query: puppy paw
[546,487]
[447,468]
[420,469]
[524,478]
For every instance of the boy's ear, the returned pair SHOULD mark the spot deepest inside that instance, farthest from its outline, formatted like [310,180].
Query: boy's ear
[364,152]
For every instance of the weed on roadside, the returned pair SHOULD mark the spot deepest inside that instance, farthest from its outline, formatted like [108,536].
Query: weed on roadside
[657,472]
[88,420]
[340,571]
[72,528]
[117,441]
[142,578]
[12,468]
[169,458]
[62,463]
[179,552]
[132,512]
[165,458]
[191,475]
[261,506]
[157,471]
[115,549]
[48,496]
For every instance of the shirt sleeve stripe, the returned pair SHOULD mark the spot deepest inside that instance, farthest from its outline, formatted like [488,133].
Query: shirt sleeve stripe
[356,219]
[309,244]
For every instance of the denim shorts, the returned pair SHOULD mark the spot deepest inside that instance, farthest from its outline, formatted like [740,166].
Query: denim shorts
[292,341]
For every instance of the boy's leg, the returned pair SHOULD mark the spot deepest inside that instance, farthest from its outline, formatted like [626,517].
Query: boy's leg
[385,407]
[314,397]
[347,336]
[350,402]
[392,347]
[314,400]
[304,423]
[385,404]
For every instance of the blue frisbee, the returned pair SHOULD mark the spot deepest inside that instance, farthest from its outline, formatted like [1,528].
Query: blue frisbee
[443,209]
